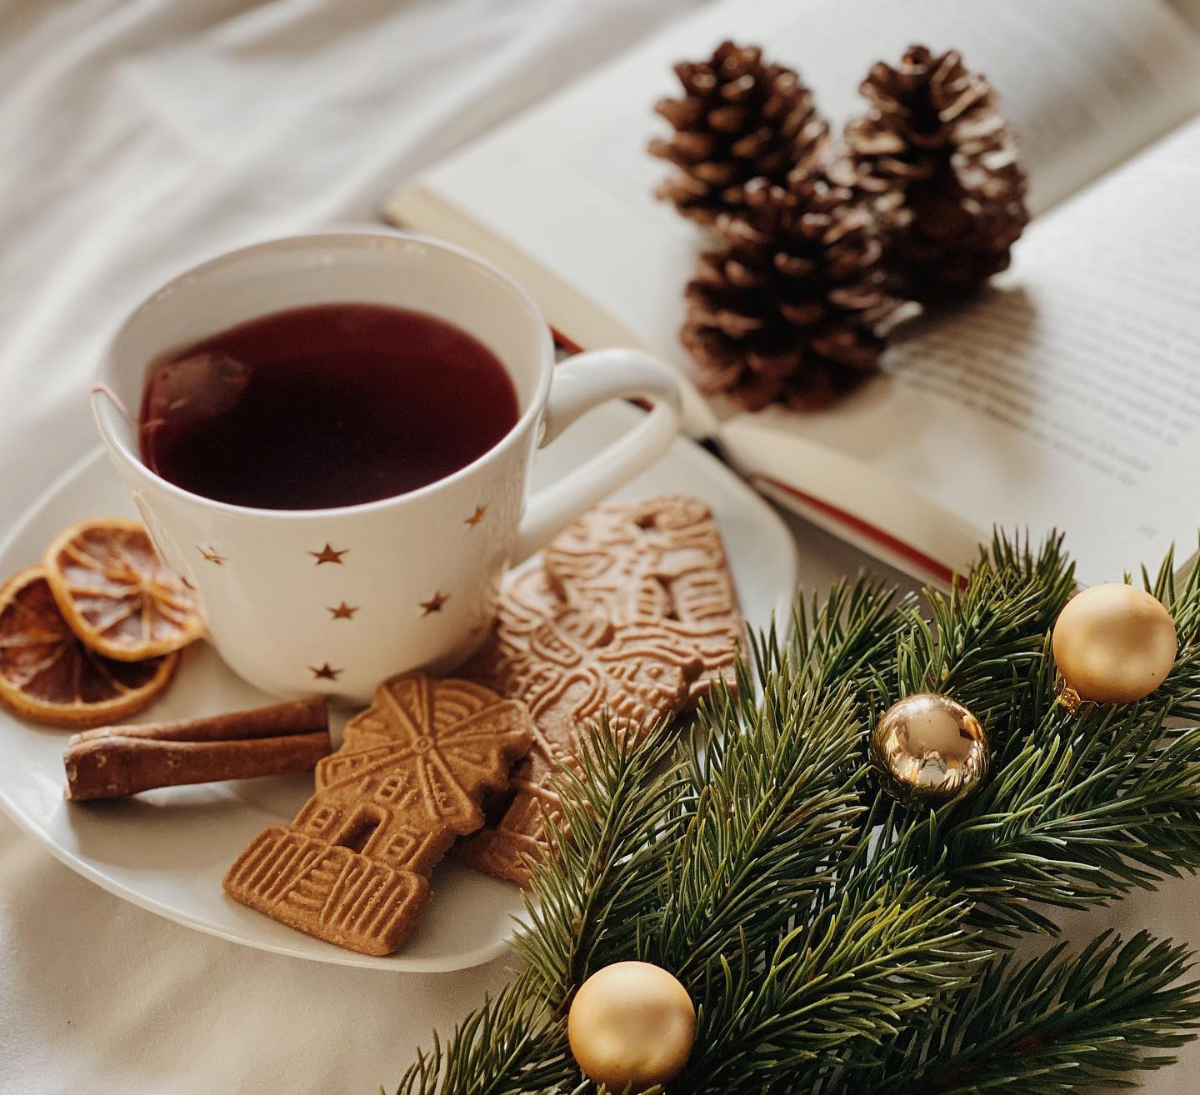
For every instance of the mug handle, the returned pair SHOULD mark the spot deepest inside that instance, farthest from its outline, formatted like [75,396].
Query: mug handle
[579,384]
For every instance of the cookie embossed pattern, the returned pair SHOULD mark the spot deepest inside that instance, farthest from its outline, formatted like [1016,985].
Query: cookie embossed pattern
[659,560]
[354,867]
[633,614]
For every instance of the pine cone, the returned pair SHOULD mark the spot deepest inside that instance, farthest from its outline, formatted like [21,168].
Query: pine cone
[738,119]
[940,165]
[790,313]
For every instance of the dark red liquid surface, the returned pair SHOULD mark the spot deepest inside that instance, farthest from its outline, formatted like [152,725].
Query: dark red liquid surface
[331,405]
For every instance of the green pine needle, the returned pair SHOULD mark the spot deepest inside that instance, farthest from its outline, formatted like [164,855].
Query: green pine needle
[1052,1024]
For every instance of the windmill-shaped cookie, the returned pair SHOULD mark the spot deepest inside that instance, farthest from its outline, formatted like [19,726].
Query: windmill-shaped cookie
[354,867]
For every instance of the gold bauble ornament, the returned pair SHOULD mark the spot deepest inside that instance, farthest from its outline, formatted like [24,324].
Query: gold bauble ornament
[1114,643]
[929,749]
[631,1023]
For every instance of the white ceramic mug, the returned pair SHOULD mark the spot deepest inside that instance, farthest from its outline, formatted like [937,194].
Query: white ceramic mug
[334,600]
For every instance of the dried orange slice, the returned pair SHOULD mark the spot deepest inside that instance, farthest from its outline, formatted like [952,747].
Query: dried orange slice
[118,596]
[48,675]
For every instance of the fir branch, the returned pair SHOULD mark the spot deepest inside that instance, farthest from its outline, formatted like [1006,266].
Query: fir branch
[1079,818]
[596,898]
[586,908]
[850,976]
[829,935]
[988,634]
[775,814]
[849,635]
[1182,686]
[1052,1024]
[1080,808]
[508,1046]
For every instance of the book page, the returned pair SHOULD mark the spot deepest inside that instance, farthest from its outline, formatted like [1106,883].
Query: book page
[1068,396]
[1085,82]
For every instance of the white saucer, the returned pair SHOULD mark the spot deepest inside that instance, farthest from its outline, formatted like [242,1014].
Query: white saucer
[168,850]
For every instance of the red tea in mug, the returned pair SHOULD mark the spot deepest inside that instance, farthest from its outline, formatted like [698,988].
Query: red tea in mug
[330,405]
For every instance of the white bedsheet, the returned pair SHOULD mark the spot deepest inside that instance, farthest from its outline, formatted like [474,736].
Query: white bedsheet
[136,138]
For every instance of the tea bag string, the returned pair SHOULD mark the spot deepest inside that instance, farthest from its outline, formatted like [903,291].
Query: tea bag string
[105,390]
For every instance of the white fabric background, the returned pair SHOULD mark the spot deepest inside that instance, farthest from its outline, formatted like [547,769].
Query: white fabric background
[136,138]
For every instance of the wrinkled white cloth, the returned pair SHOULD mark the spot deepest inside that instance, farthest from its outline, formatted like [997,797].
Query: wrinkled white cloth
[137,137]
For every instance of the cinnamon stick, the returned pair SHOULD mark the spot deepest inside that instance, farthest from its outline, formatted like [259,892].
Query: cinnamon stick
[278,720]
[115,761]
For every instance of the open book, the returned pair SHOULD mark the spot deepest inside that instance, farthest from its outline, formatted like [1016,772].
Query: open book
[1067,396]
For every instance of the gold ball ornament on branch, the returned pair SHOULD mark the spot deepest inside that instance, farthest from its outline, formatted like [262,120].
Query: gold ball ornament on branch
[929,749]
[631,1024]
[1114,643]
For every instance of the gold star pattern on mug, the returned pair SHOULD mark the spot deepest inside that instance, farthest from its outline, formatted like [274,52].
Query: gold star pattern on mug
[476,517]
[328,555]
[211,555]
[343,611]
[324,672]
[187,583]
[434,604]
